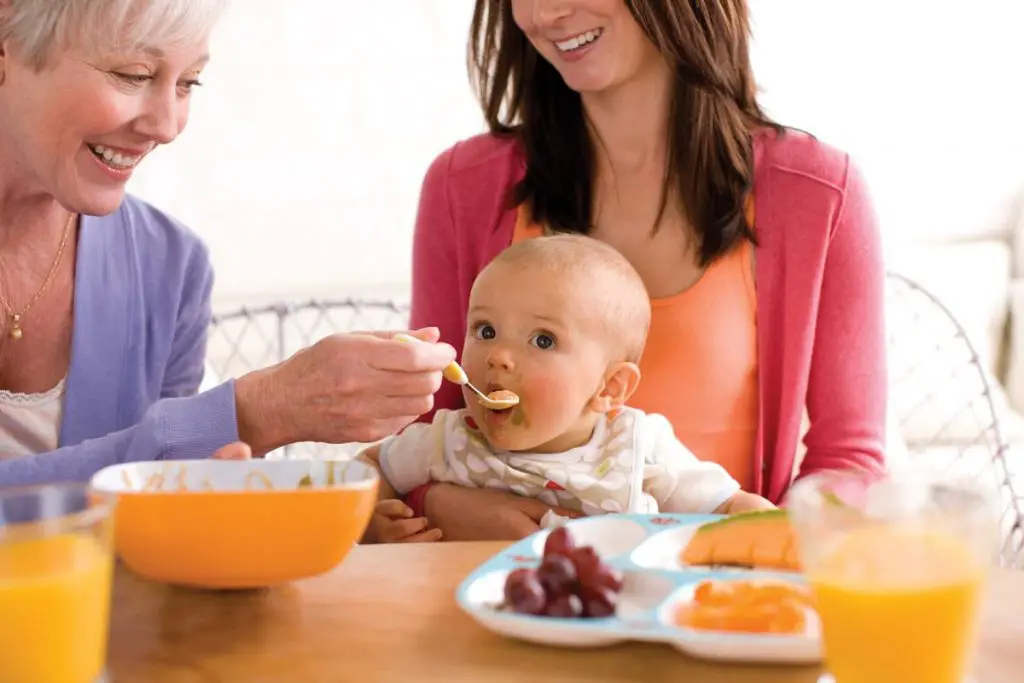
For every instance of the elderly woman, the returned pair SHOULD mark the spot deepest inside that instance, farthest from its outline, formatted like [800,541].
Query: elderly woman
[105,300]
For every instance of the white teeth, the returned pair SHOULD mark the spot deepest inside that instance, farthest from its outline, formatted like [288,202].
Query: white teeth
[115,159]
[578,41]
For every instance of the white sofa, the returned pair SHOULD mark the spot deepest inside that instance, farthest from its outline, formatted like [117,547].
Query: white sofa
[977,272]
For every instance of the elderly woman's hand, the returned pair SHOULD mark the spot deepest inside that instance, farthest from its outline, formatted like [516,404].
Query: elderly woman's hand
[234,451]
[345,388]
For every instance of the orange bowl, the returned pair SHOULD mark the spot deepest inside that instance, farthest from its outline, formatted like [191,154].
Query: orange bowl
[237,524]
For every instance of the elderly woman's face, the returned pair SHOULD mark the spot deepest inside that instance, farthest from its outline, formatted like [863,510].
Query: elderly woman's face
[78,128]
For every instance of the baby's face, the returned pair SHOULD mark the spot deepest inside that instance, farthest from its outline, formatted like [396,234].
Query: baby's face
[528,332]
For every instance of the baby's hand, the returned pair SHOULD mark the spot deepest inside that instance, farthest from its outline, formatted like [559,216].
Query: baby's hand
[393,523]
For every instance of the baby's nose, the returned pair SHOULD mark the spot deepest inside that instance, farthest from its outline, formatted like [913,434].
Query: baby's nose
[500,358]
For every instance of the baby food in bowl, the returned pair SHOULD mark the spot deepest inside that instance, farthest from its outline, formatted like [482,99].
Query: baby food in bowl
[237,524]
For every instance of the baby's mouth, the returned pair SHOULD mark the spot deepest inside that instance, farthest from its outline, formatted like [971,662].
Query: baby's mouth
[500,395]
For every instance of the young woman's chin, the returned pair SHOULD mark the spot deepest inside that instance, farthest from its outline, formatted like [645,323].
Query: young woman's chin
[590,81]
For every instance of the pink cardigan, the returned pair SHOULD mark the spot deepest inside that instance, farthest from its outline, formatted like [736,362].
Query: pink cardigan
[819,279]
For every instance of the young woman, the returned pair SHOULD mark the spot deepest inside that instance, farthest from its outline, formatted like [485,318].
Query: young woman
[636,122]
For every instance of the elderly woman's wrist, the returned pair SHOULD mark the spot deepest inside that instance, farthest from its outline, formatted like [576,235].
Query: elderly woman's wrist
[261,423]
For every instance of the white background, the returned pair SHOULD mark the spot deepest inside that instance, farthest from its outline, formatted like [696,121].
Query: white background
[302,163]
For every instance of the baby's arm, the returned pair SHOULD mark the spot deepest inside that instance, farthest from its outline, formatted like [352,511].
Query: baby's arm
[371,456]
[408,457]
[680,481]
[742,501]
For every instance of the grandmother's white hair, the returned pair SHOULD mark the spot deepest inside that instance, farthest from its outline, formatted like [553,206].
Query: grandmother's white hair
[41,28]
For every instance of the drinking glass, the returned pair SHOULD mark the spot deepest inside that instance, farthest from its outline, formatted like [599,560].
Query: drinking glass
[56,568]
[898,565]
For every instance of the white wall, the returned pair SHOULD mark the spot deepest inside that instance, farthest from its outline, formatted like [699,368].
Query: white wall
[301,166]
[302,162]
[924,93]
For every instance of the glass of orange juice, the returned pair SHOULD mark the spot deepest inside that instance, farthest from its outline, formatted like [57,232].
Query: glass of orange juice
[898,565]
[56,564]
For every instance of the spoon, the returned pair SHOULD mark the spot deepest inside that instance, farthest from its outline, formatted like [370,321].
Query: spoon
[497,400]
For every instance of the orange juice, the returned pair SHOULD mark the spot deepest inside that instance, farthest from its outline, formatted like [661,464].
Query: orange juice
[898,605]
[54,609]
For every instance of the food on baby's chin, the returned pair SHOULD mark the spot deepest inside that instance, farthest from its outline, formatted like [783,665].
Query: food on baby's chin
[768,607]
[570,582]
[758,539]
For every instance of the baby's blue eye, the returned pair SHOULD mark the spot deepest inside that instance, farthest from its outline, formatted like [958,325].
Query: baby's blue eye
[543,341]
[485,331]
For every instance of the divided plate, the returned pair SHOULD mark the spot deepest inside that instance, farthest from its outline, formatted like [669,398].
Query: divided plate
[647,550]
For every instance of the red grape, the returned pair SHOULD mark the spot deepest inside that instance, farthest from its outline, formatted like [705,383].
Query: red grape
[602,576]
[567,606]
[598,602]
[585,558]
[571,582]
[592,572]
[559,542]
[524,592]
[557,574]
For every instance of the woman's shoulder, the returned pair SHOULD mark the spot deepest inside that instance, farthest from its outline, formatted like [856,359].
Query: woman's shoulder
[159,238]
[154,227]
[483,153]
[800,154]
[802,186]
[475,169]
[156,255]
[465,200]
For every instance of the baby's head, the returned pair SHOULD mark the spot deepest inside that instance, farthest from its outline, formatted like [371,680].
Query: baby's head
[561,321]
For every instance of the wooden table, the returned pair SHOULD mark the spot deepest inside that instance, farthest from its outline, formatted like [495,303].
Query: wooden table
[388,613]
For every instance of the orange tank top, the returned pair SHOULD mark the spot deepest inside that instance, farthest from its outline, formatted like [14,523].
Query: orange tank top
[699,368]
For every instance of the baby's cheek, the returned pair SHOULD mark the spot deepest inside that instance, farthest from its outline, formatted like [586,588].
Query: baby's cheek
[547,399]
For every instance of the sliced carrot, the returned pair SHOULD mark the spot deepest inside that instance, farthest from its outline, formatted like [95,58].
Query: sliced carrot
[745,607]
[712,593]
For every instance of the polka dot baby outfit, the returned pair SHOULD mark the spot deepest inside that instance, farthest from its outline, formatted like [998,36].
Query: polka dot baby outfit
[632,463]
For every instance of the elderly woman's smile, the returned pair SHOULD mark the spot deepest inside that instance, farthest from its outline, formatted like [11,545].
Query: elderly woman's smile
[117,160]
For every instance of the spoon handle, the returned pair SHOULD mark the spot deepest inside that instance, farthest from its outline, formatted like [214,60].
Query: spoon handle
[456,375]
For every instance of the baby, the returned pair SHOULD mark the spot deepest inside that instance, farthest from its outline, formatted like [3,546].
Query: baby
[560,321]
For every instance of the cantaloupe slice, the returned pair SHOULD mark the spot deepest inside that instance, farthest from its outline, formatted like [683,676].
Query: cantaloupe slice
[762,539]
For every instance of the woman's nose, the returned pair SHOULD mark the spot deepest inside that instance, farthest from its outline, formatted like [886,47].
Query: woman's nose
[548,12]
[163,118]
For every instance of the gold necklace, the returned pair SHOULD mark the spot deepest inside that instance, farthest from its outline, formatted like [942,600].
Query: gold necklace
[16,332]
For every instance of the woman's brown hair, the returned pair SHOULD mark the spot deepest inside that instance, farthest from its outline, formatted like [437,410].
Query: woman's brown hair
[713,111]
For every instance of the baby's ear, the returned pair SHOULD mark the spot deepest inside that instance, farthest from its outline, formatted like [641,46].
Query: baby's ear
[619,382]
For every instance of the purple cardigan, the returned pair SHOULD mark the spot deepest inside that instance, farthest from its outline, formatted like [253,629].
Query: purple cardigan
[142,310]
